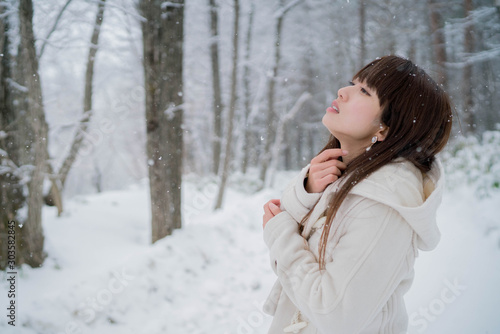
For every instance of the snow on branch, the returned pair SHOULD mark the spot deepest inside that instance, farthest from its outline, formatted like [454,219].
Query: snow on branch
[167,4]
[172,108]
[484,55]
[17,86]
[296,107]
[213,40]
[476,16]
[475,58]
[132,12]
[54,27]
[282,11]
[254,112]
[7,166]
[9,9]
[280,133]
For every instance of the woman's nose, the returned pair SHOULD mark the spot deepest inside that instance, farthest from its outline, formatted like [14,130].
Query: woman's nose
[342,93]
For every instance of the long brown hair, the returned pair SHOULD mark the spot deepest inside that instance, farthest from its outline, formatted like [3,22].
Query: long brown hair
[419,116]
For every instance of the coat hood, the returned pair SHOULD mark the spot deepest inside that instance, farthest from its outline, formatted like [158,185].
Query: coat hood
[416,196]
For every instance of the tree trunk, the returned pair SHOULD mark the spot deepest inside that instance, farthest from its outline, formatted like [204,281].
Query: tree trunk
[490,113]
[247,146]
[60,179]
[232,107]
[217,99]
[362,32]
[466,84]
[271,115]
[11,188]
[438,41]
[287,150]
[310,141]
[163,36]
[299,138]
[35,143]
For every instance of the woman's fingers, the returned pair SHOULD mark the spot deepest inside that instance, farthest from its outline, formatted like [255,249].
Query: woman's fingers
[271,209]
[317,185]
[267,210]
[276,202]
[325,168]
[274,208]
[329,154]
[328,167]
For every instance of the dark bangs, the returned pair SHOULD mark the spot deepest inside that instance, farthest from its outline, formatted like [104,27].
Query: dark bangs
[380,76]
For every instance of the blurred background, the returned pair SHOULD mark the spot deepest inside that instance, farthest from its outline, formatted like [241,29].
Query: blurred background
[166,110]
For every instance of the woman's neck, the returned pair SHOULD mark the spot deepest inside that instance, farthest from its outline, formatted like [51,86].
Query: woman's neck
[354,152]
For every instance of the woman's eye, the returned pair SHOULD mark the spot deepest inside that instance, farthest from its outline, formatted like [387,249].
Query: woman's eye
[364,91]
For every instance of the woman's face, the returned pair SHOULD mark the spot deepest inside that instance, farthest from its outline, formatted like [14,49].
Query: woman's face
[355,116]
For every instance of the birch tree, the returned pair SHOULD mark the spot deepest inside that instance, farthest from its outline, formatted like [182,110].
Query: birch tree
[163,36]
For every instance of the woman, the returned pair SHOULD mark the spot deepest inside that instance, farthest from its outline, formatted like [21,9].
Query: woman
[344,236]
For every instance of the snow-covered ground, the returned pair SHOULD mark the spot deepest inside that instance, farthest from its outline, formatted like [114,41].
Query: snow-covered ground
[212,276]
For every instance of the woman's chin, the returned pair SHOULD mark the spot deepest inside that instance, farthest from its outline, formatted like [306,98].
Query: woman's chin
[327,123]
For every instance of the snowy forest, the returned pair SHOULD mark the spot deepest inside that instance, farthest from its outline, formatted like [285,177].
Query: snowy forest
[139,140]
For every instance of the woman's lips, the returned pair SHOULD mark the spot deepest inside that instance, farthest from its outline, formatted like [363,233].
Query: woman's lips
[334,108]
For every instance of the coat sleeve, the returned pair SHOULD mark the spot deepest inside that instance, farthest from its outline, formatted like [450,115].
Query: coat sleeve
[366,266]
[296,200]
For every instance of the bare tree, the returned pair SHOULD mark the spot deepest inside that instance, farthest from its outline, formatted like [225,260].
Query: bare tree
[11,187]
[217,106]
[466,85]
[232,107]
[247,146]
[362,33]
[59,179]
[34,141]
[438,40]
[163,37]
[271,114]
[280,135]
[54,27]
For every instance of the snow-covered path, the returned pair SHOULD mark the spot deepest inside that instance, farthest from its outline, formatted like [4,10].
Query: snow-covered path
[102,276]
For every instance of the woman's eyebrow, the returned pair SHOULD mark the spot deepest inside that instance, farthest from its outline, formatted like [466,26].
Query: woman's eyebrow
[368,89]
[365,86]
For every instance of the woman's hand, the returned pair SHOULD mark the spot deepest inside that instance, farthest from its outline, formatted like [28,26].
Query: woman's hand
[271,209]
[325,169]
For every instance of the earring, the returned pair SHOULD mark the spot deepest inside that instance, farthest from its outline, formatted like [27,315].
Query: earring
[374,140]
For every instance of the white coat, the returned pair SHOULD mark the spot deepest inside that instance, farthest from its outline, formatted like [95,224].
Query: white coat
[370,254]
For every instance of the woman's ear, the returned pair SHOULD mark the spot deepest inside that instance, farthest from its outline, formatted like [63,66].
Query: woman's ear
[382,132]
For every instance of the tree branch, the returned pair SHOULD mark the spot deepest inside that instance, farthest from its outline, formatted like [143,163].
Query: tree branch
[56,22]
